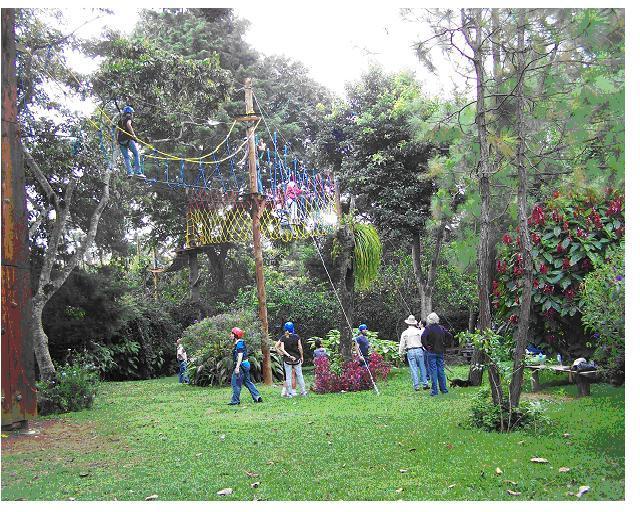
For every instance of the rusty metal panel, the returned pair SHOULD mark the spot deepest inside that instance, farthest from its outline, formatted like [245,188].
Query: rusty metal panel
[18,378]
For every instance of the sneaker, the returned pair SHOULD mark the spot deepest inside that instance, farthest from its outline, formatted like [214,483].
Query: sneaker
[233,403]
[426,386]
[258,400]
[416,389]
[141,176]
[305,394]
[294,393]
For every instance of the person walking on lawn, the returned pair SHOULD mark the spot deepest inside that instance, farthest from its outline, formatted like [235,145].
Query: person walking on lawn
[241,374]
[434,340]
[290,346]
[411,345]
[181,356]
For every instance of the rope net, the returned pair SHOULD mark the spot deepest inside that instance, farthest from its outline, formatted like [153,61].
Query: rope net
[216,217]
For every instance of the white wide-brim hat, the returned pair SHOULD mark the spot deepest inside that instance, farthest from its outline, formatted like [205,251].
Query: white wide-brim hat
[411,320]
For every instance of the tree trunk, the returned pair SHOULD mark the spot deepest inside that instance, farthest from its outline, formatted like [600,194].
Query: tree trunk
[527,288]
[345,286]
[433,265]
[484,172]
[217,266]
[41,343]
[47,284]
[194,277]
[425,304]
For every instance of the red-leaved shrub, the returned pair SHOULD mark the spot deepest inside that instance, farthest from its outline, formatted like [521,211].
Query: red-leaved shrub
[353,377]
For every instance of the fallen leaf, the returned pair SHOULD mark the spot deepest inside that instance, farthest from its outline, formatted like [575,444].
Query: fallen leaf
[539,460]
[198,454]
[400,443]
[566,435]
[582,490]
[510,482]
[412,449]
[403,470]
[498,471]
[251,474]
[255,484]
[449,446]
[399,489]
[225,492]
[222,437]
[330,443]
[521,442]
[71,498]
[270,463]
[85,474]
[452,486]
[151,498]
[564,470]
[513,493]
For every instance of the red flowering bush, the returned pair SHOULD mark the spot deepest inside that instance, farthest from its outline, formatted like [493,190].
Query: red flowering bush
[353,376]
[570,234]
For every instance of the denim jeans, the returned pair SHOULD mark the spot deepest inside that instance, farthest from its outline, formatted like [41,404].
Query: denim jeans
[426,365]
[436,369]
[416,361]
[182,374]
[237,380]
[124,149]
[288,370]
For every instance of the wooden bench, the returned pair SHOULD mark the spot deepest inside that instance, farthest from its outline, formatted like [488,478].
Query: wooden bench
[582,379]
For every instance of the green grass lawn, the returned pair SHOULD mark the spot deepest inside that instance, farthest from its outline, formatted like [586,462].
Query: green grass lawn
[184,443]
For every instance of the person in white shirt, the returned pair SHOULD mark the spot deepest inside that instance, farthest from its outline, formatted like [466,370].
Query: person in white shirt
[181,355]
[411,344]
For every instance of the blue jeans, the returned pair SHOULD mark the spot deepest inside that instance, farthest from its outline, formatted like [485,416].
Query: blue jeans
[416,361]
[182,373]
[237,380]
[426,365]
[124,149]
[436,369]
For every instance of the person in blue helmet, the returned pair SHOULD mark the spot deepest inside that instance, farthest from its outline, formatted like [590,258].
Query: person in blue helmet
[241,374]
[363,344]
[126,137]
[290,346]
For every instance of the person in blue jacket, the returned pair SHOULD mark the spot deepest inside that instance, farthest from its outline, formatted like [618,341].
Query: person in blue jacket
[241,374]
[363,344]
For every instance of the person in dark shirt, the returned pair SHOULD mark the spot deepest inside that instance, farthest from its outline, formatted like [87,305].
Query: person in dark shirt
[434,339]
[320,351]
[241,374]
[363,345]
[126,136]
[290,346]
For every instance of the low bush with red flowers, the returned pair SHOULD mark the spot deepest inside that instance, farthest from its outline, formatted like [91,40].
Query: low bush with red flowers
[570,234]
[353,376]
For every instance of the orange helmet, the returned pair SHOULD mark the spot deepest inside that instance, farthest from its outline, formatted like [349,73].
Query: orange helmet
[237,332]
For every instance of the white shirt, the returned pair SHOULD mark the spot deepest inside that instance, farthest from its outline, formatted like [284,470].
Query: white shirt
[181,353]
[410,339]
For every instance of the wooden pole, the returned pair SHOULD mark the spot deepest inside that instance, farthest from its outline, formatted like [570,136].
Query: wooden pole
[256,211]
[18,373]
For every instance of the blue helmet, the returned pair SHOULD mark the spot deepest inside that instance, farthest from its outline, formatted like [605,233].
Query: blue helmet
[128,110]
[289,327]
[362,327]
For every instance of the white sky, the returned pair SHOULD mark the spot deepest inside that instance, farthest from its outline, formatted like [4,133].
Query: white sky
[337,45]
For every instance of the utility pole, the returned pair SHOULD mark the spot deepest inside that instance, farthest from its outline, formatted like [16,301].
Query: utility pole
[18,378]
[257,206]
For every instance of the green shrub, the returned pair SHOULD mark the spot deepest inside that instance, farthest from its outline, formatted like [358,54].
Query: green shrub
[73,389]
[603,312]
[485,415]
[209,348]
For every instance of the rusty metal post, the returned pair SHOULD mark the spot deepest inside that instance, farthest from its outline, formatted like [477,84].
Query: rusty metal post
[18,375]
[257,205]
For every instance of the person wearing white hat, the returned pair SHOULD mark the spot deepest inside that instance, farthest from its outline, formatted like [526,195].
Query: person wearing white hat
[411,344]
